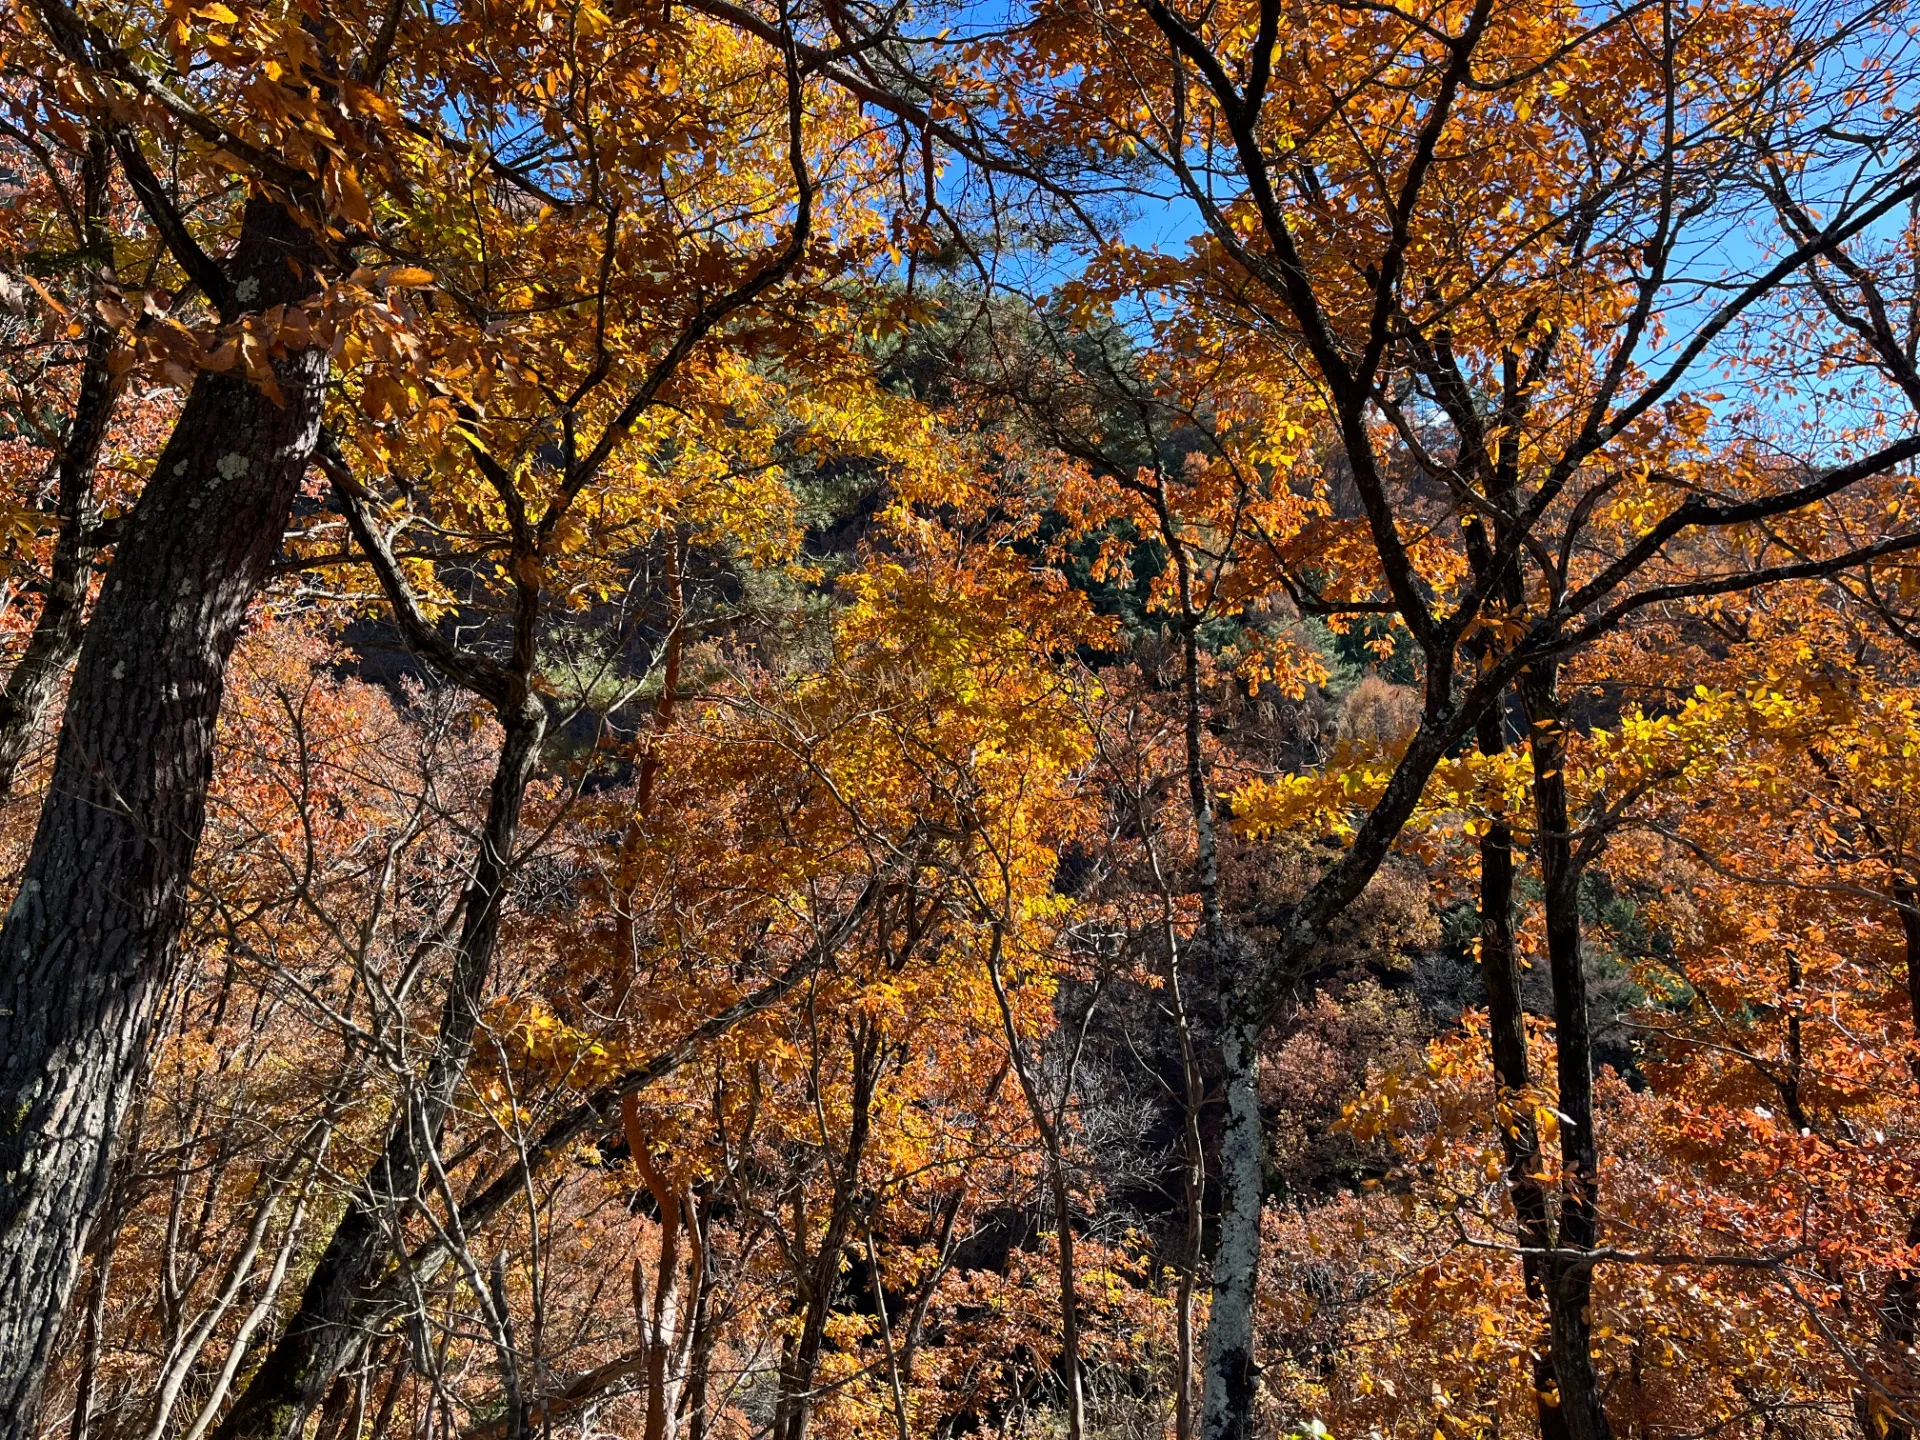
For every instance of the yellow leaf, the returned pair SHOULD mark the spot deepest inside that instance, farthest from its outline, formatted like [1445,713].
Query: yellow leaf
[1548,1122]
[404,277]
[353,200]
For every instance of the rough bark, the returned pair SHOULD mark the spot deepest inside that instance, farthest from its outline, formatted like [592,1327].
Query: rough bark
[1227,1404]
[89,943]
[336,1316]
[1568,1277]
[57,630]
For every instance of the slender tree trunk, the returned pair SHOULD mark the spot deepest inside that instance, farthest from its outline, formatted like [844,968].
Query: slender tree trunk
[793,1411]
[1891,1416]
[89,943]
[1893,1419]
[700,1346]
[82,1425]
[1195,1196]
[894,1381]
[943,1249]
[1507,1036]
[1046,1122]
[1070,1367]
[1228,1399]
[325,1335]
[658,1318]
[1194,1169]
[56,633]
[662,1324]
[1568,1280]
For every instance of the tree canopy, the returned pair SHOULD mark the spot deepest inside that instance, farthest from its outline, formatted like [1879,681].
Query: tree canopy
[811,720]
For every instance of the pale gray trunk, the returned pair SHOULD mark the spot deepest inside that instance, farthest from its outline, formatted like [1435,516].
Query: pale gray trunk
[1227,1411]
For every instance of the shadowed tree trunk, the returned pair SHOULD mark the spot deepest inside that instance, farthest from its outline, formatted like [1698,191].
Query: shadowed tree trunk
[1568,1278]
[700,1344]
[89,944]
[1507,1037]
[336,1316]
[56,633]
[1047,1121]
[819,1279]
[1886,1412]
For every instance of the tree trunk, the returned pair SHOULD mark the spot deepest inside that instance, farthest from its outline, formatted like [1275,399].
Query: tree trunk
[664,1332]
[1046,1122]
[1568,1279]
[1194,1168]
[327,1332]
[1194,1174]
[793,1411]
[1227,1402]
[82,1422]
[1070,1368]
[56,633]
[701,1340]
[89,943]
[1890,1415]
[1507,1037]
[1228,1394]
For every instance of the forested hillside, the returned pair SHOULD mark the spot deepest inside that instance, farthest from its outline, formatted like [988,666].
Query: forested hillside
[838,720]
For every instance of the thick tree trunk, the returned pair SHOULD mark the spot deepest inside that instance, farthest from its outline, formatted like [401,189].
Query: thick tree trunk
[1568,1279]
[89,943]
[334,1320]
